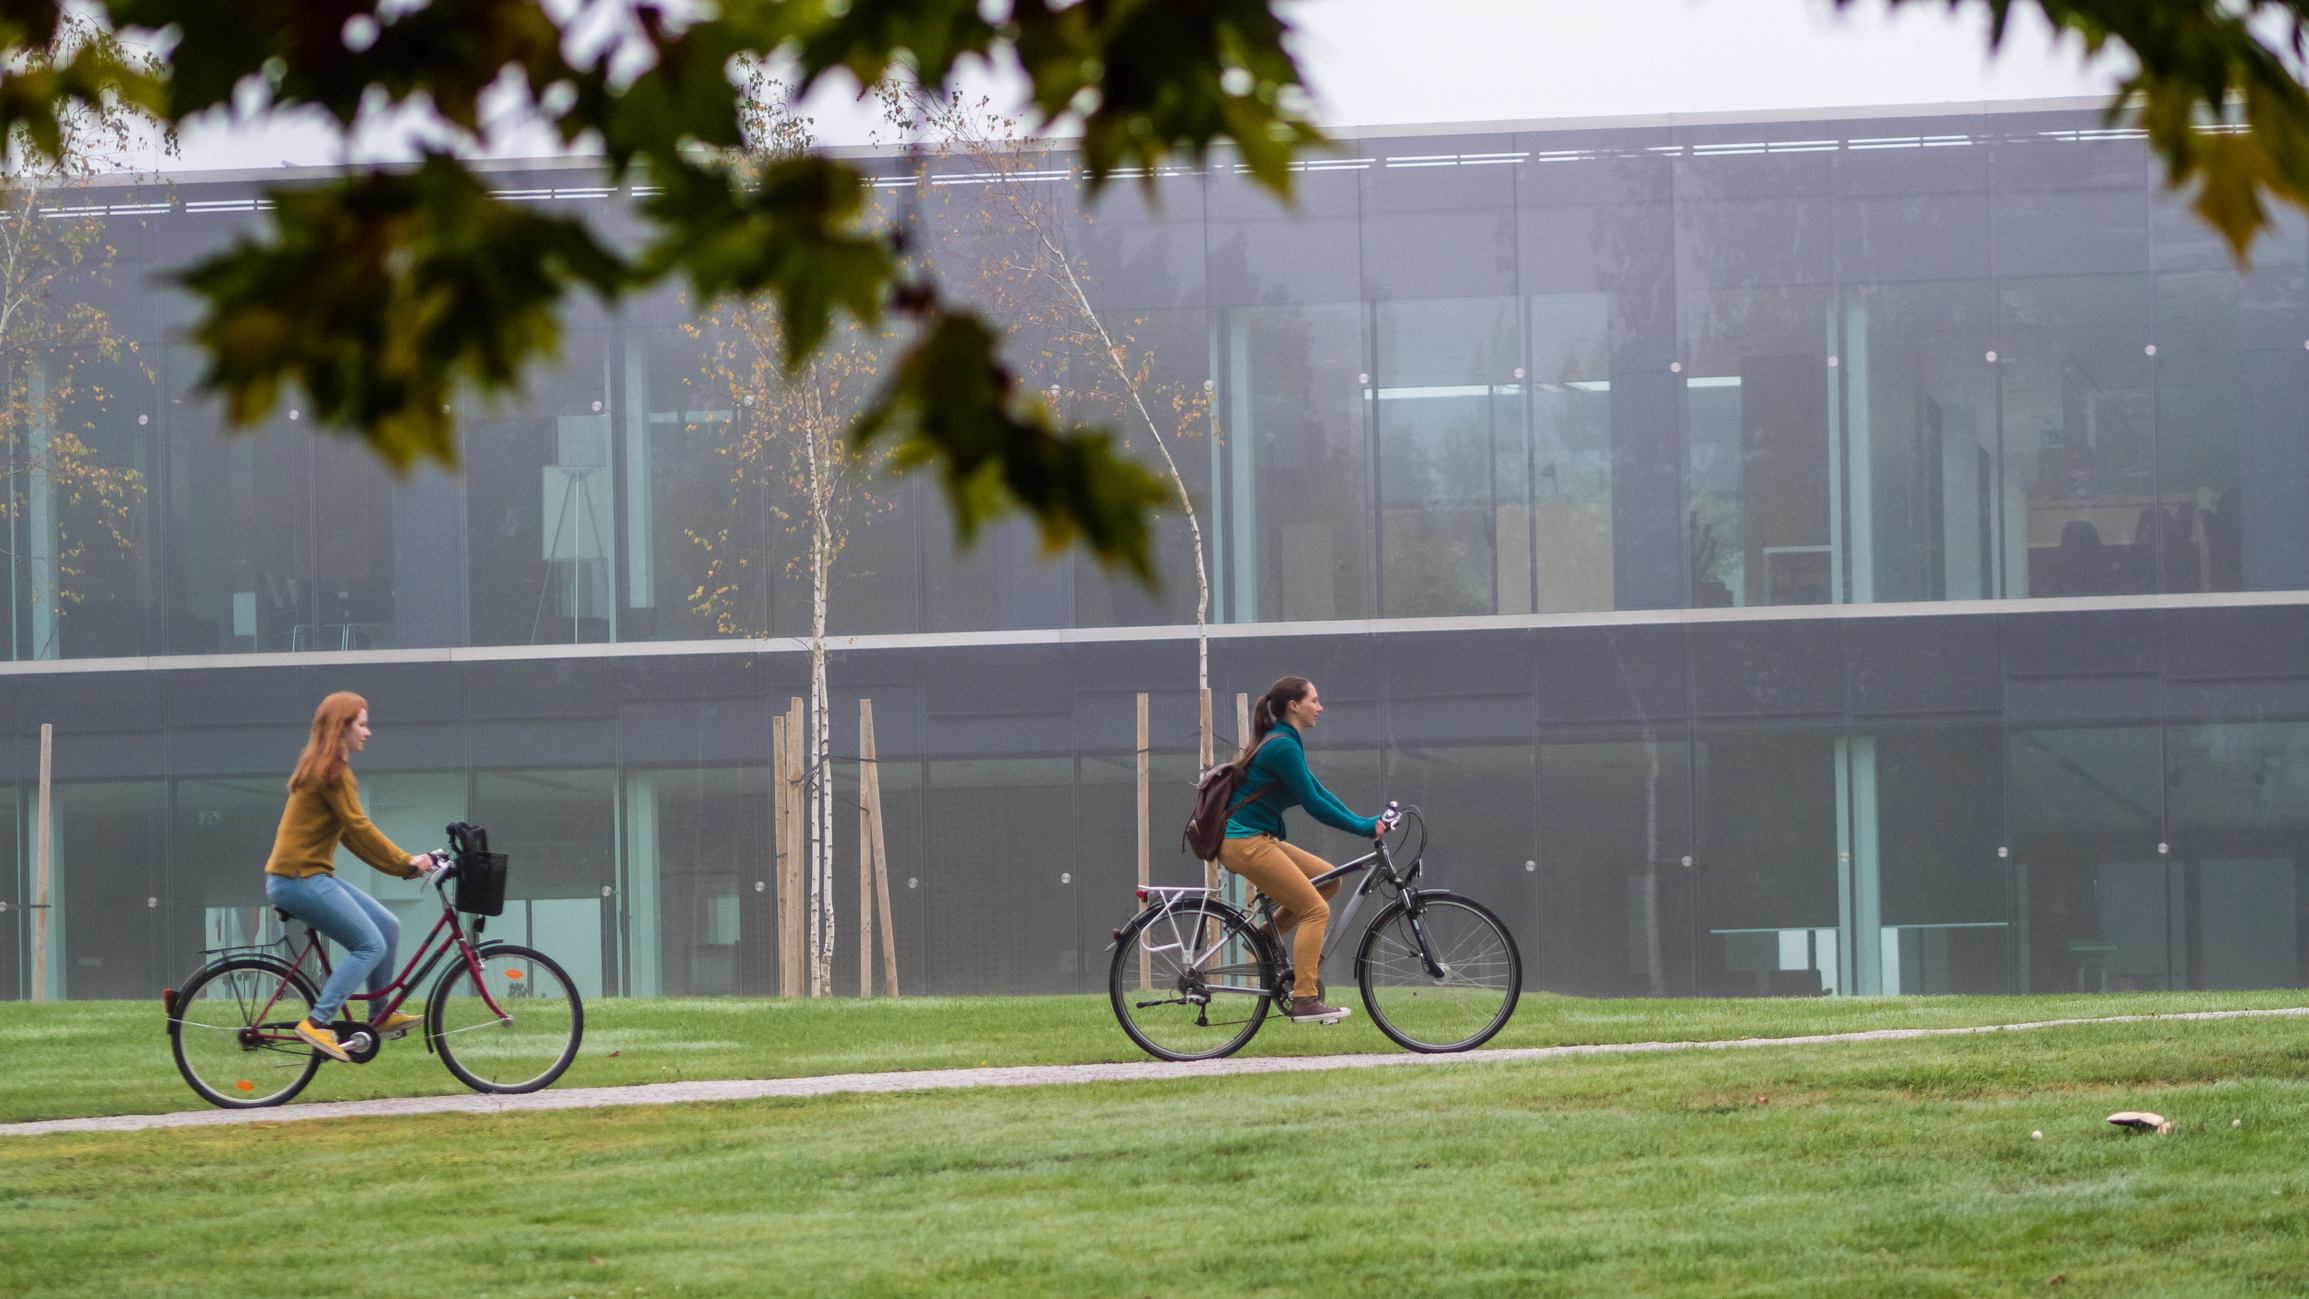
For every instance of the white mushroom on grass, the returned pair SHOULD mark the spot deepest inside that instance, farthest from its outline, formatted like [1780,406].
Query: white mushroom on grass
[2142,1121]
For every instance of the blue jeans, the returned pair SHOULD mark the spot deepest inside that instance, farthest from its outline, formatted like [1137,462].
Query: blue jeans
[359,923]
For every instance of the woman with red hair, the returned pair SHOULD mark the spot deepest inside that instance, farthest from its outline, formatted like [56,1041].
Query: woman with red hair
[301,876]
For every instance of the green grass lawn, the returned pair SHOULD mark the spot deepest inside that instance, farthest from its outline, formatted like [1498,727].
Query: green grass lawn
[72,1059]
[1894,1168]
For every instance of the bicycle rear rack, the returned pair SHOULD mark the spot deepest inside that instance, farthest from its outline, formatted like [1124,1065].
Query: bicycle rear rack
[1169,895]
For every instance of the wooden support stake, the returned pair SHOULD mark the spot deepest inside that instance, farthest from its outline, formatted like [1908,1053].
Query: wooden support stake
[865,855]
[871,795]
[1210,868]
[792,960]
[40,873]
[783,904]
[1242,725]
[1145,835]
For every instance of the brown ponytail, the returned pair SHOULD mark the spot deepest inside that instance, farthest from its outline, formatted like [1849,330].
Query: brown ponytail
[1268,712]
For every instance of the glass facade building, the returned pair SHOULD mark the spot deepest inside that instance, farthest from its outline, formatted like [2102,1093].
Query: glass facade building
[1863,554]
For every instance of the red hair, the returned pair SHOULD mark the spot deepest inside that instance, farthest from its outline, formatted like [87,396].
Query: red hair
[324,756]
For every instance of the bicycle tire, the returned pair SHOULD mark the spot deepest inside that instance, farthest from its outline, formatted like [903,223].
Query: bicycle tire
[1167,1021]
[523,1053]
[234,1053]
[1469,1004]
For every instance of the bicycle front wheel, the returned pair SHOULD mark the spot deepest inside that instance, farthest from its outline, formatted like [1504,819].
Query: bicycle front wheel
[234,1033]
[1191,983]
[517,1038]
[1459,1001]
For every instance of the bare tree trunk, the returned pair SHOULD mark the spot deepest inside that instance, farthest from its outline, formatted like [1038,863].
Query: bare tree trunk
[822,928]
[1194,525]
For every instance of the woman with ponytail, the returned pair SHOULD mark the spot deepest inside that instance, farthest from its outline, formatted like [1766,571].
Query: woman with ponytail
[1276,768]
[301,876]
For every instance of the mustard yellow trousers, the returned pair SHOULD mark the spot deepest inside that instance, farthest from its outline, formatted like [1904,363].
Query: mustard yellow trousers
[1281,871]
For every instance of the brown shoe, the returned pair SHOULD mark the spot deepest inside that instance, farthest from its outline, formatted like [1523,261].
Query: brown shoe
[1311,1010]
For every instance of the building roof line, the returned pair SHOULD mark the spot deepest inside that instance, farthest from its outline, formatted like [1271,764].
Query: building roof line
[590,163]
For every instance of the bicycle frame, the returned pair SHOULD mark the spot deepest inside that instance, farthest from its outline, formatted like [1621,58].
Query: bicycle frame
[411,974]
[1375,867]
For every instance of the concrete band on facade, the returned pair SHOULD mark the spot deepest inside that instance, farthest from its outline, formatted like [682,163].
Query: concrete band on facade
[1782,554]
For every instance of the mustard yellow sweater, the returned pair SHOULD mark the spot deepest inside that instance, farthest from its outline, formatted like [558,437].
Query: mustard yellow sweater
[321,816]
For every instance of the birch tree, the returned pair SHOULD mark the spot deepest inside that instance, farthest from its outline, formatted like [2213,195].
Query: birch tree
[788,446]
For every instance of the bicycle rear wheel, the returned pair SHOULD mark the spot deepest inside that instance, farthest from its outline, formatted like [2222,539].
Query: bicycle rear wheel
[234,1033]
[527,1048]
[1209,979]
[1463,1001]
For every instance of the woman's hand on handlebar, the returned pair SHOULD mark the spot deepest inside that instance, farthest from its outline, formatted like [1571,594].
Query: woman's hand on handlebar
[424,863]
[1388,820]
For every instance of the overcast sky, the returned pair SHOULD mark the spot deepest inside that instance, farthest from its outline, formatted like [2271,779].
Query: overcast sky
[1388,62]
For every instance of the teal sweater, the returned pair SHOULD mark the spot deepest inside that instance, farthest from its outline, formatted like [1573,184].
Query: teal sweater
[1281,765]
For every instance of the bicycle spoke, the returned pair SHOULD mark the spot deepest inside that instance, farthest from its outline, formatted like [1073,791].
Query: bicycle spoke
[518,1053]
[1192,954]
[224,1052]
[1464,1005]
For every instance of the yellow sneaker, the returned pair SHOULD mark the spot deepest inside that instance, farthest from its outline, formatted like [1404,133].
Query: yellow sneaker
[322,1040]
[395,1024]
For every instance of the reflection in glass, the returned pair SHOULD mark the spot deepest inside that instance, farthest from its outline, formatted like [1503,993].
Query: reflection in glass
[1298,500]
[1570,529]
[1943,913]
[697,840]
[1772,808]
[1615,832]
[2198,433]
[1762,435]
[559,829]
[105,846]
[2079,418]
[999,831]
[541,509]
[2240,817]
[2100,906]
[1452,457]
[1920,451]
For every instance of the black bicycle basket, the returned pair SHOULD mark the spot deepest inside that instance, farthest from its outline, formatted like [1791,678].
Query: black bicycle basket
[480,873]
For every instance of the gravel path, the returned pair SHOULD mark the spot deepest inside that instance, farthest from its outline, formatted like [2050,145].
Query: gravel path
[572,1098]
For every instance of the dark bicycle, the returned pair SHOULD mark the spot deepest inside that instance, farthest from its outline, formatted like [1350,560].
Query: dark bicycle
[503,1018]
[1193,977]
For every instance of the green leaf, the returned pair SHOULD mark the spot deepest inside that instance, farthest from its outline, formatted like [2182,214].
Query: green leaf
[793,233]
[951,403]
[380,294]
[1158,73]
[2214,86]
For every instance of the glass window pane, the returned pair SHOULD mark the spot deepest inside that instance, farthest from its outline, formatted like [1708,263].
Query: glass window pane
[1294,400]
[1920,449]
[1570,532]
[1769,825]
[2199,426]
[1942,903]
[1764,521]
[557,827]
[2079,417]
[2099,905]
[1452,456]
[2240,821]
[1615,831]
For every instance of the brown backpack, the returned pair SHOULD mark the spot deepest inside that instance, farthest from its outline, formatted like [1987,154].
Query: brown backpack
[1215,801]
